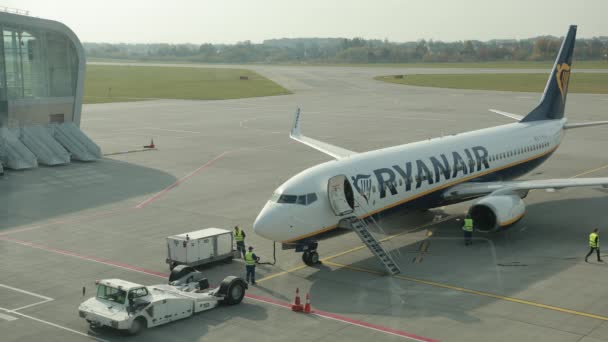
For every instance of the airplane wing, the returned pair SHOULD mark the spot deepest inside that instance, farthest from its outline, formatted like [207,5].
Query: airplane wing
[469,190]
[509,115]
[566,126]
[585,124]
[334,151]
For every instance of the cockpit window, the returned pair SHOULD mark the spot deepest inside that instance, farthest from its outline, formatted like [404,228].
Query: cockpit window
[287,199]
[294,199]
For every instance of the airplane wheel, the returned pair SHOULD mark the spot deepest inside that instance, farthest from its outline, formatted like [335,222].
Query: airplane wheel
[310,258]
[314,257]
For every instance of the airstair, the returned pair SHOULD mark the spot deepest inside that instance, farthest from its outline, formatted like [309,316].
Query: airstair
[76,142]
[13,154]
[47,150]
[362,229]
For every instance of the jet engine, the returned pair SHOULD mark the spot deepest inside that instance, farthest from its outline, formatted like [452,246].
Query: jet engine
[490,213]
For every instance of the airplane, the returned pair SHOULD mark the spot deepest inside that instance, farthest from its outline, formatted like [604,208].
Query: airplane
[481,164]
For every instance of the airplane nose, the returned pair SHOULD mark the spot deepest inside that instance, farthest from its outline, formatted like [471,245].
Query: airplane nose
[262,225]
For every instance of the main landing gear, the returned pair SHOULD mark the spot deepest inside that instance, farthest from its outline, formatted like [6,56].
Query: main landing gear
[309,256]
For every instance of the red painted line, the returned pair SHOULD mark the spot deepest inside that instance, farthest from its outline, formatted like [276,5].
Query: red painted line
[347,320]
[323,314]
[63,221]
[179,181]
[85,257]
[269,301]
[376,327]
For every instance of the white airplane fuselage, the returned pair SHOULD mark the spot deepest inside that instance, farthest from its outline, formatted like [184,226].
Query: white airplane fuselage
[410,176]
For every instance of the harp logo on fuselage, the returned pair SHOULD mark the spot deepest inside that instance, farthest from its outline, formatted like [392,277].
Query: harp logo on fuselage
[363,185]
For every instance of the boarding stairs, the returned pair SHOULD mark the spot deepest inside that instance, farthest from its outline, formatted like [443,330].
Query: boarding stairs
[362,229]
[56,144]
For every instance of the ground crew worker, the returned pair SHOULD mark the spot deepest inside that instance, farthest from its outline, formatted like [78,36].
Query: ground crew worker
[250,260]
[239,237]
[594,244]
[468,230]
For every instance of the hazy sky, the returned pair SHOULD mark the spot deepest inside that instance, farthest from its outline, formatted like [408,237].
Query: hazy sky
[229,21]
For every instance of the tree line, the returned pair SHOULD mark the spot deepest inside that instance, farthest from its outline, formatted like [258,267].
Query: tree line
[356,50]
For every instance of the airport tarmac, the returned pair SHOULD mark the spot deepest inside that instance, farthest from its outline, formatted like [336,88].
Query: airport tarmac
[216,164]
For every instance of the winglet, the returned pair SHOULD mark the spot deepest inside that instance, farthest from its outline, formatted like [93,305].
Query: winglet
[334,151]
[295,130]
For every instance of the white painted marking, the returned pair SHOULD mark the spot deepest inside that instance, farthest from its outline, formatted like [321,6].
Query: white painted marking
[26,292]
[33,304]
[170,130]
[54,325]
[7,317]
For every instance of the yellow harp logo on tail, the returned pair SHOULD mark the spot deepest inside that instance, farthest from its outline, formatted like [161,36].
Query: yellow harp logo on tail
[563,75]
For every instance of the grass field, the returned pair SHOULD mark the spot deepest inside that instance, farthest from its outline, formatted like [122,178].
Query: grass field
[476,65]
[589,83]
[114,83]
[480,65]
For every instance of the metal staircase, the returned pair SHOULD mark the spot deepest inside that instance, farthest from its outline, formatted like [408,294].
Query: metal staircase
[362,230]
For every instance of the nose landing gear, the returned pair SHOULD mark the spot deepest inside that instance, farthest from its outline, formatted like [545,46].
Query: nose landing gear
[310,258]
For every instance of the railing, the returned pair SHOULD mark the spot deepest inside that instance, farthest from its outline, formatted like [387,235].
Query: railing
[14,10]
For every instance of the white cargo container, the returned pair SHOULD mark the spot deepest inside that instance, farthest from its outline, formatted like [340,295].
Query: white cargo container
[199,247]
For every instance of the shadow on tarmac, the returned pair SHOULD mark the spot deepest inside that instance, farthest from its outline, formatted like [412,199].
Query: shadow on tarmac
[46,192]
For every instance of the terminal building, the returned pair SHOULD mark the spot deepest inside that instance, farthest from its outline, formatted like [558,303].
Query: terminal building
[42,70]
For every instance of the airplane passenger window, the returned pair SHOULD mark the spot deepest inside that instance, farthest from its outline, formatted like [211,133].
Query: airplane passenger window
[301,200]
[287,199]
[311,198]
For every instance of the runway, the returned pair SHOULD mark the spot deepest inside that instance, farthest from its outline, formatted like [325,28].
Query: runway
[218,162]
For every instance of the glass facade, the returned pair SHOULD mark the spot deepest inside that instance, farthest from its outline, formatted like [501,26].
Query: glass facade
[38,75]
[38,64]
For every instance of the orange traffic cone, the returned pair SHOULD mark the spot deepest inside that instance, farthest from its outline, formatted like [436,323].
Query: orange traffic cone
[151,144]
[307,308]
[297,306]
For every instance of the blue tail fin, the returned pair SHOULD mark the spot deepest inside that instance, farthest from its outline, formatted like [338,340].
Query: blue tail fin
[553,102]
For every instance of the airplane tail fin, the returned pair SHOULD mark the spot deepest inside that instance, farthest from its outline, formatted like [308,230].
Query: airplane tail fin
[553,101]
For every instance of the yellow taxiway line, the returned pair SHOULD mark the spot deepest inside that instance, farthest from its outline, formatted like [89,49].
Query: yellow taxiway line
[473,292]
[590,171]
[354,249]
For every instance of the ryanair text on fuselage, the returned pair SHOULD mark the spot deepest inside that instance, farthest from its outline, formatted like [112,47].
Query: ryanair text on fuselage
[442,166]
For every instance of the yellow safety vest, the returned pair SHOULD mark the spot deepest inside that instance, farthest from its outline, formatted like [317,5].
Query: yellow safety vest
[238,236]
[249,260]
[468,225]
[592,242]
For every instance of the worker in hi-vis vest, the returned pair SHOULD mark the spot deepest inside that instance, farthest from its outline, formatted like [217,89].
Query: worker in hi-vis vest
[467,228]
[594,244]
[250,260]
[239,237]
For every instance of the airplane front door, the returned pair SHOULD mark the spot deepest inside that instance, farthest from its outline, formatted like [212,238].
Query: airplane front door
[340,195]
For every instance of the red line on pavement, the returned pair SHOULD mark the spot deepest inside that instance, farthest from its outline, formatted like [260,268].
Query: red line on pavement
[84,257]
[336,317]
[323,314]
[372,326]
[179,181]
[67,220]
